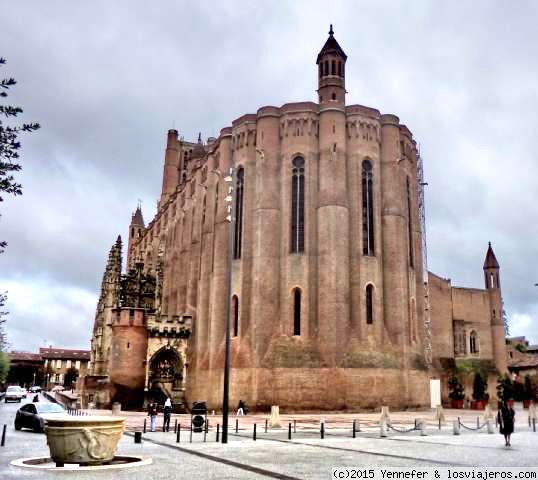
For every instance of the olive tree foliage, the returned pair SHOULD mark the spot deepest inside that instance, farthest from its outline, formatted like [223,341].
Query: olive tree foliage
[9,143]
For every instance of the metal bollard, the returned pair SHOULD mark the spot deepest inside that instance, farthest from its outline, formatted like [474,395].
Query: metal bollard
[477,422]
[439,424]
[383,429]
[236,425]
[289,431]
[534,424]
[254,433]
[207,426]
[456,427]
[423,428]
[137,437]
[529,420]
[354,434]
[322,430]
[294,426]
[191,434]
[266,421]
[178,433]
[416,426]
[175,426]
[205,435]
[3,442]
[496,422]
[145,420]
[218,431]
[489,424]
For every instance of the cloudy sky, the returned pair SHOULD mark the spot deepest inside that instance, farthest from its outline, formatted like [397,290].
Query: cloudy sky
[107,79]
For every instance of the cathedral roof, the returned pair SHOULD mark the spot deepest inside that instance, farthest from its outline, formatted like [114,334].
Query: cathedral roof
[331,46]
[137,218]
[198,151]
[491,260]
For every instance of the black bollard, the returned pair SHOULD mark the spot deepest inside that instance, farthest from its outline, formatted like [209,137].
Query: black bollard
[175,426]
[416,428]
[145,420]
[218,431]
[138,437]
[354,433]
[266,421]
[205,434]
[254,433]
[534,424]
[191,434]
[529,420]
[322,430]
[236,425]
[477,422]
[439,424]
[294,426]
[289,431]
[178,433]
[207,426]
[3,442]
[496,422]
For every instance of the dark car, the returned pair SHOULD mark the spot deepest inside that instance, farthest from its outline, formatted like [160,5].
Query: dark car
[34,415]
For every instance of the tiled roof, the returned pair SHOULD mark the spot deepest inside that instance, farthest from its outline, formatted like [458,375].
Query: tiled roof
[24,357]
[522,360]
[64,353]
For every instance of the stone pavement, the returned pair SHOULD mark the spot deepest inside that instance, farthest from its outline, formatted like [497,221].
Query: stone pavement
[272,455]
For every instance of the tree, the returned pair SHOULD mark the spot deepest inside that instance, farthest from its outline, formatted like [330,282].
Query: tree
[505,388]
[70,377]
[4,359]
[479,387]
[9,144]
[505,322]
[456,391]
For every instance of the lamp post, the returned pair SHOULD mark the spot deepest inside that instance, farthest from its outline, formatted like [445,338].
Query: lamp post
[230,200]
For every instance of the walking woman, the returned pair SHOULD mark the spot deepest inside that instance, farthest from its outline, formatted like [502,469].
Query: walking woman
[152,413]
[505,417]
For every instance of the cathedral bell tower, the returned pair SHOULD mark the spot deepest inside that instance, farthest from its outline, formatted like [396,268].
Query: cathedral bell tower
[493,287]
[331,63]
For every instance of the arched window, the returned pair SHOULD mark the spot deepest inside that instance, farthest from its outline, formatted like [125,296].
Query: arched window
[235,315]
[473,343]
[369,304]
[297,311]
[320,70]
[339,69]
[326,67]
[367,209]
[409,223]
[333,67]
[238,212]
[297,205]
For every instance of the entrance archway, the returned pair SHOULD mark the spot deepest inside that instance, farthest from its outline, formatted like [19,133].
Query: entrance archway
[165,374]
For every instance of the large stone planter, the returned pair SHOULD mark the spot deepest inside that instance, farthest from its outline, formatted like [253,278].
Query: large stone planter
[84,440]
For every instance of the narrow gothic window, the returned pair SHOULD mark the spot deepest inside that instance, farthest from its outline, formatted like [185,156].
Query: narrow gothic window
[369,304]
[235,315]
[320,70]
[238,212]
[297,311]
[367,209]
[297,205]
[326,67]
[473,343]
[333,68]
[409,224]
[339,69]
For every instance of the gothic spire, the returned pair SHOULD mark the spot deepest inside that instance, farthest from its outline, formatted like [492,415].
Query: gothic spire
[491,260]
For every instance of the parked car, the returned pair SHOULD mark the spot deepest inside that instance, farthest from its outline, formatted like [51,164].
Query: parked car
[57,388]
[14,394]
[34,415]
[35,389]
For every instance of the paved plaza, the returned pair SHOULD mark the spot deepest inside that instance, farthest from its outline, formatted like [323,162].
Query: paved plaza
[272,455]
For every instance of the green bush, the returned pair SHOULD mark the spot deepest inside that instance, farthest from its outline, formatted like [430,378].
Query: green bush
[4,366]
[370,360]
[479,387]
[455,389]
[505,388]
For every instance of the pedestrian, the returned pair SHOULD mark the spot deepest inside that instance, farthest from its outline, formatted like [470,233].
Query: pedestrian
[505,417]
[167,414]
[152,413]
[241,408]
[36,398]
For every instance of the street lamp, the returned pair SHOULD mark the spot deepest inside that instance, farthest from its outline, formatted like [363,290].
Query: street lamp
[230,200]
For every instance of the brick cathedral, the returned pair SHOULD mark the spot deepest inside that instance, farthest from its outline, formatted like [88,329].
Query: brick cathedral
[332,306]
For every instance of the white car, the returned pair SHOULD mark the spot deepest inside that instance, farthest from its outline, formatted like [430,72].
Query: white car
[14,394]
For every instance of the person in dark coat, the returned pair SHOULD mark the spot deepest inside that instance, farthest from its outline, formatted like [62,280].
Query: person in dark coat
[505,417]
[152,413]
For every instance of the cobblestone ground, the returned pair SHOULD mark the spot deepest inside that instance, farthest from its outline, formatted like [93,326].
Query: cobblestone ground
[306,455]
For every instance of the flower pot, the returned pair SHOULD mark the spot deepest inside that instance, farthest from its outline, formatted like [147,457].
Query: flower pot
[478,404]
[526,403]
[456,404]
[84,440]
